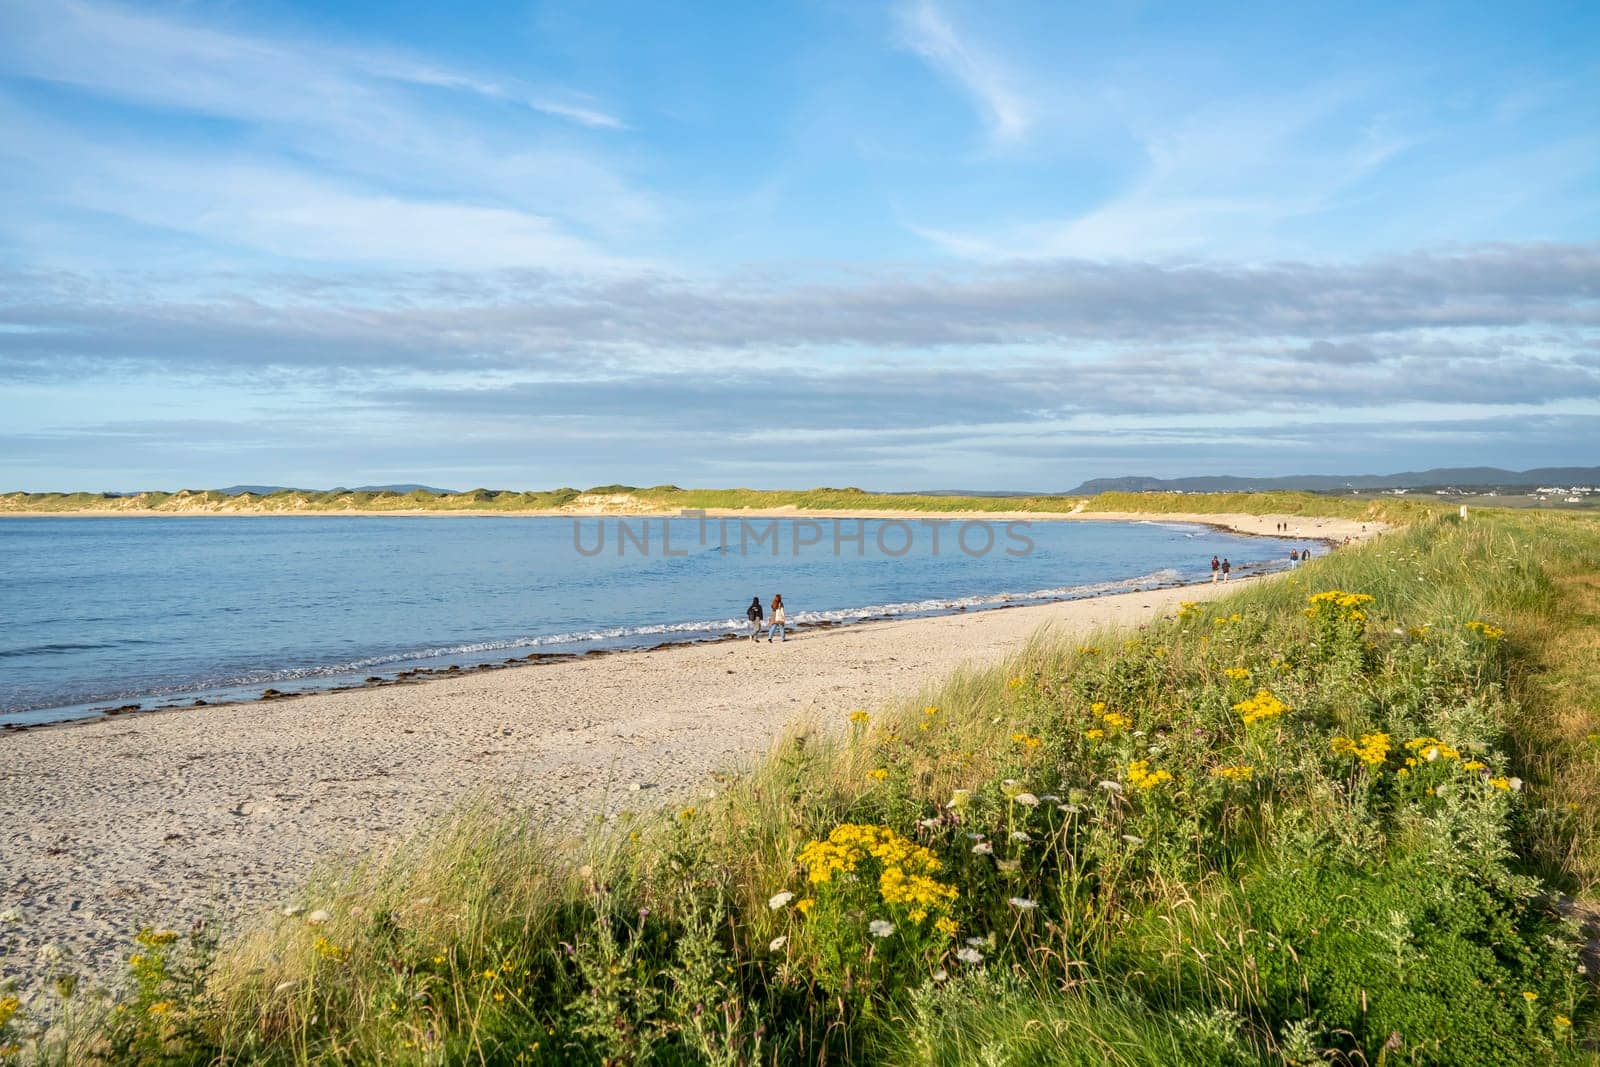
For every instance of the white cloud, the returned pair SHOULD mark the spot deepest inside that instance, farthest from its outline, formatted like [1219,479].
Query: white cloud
[342,164]
[926,31]
[1222,178]
[193,67]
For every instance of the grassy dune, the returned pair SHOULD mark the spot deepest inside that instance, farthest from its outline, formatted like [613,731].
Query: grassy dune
[671,498]
[1293,825]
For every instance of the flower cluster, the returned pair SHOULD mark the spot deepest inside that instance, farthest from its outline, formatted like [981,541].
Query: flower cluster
[1238,674]
[905,871]
[1430,749]
[330,951]
[1260,707]
[1489,633]
[1338,604]
[1027,741]
[1371,749]
[1140,776]
[1241,772]
[1112,719]
[1188,609]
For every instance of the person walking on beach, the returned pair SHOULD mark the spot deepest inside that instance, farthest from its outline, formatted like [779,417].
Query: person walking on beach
[755,615]
[1214,566]
[778,620]
[1226,567]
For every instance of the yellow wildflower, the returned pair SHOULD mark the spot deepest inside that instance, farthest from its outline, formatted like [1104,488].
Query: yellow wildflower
[1140,776]
[1372,749]
[1489,633]
[1242,772]
[1238,674]
[878,774]
[860,718]
[1260,707]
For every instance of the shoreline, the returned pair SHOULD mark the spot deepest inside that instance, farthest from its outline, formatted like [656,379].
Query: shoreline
[97,711]
[1235,522]
[226,810]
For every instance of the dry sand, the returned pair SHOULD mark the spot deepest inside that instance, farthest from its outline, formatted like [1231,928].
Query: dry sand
[165,817]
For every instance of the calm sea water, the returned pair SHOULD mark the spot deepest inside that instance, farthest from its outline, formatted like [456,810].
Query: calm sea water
[103,611]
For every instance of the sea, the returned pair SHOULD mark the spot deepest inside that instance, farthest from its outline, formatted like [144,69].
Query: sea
[107,613]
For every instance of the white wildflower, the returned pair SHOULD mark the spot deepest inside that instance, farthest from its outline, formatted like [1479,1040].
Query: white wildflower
[969,955]
[1023,903]
[1020,835]
[318,917]
[983,848]
[779,900]
[880,928]
[1111,787]
[778,942]
[1026,800]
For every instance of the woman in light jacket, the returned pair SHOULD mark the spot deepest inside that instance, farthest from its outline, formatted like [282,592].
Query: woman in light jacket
[778,620]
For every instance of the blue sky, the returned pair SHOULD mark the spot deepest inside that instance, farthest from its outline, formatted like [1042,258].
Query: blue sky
[909,245]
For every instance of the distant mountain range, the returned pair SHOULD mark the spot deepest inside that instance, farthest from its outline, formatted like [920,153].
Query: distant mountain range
[263,490]
[1439,477]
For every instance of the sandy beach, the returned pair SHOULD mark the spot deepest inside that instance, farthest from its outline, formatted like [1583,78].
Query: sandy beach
[218,812]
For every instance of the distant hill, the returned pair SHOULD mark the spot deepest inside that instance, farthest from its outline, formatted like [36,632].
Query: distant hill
[254,490]
[1459,477]
[264,490]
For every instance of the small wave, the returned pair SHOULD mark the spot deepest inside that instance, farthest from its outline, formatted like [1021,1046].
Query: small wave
[713,627]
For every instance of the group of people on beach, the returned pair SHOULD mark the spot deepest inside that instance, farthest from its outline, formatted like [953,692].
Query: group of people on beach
[1222,568]
[757,617]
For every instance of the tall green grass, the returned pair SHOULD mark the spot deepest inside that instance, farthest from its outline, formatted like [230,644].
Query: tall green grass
[1365,873]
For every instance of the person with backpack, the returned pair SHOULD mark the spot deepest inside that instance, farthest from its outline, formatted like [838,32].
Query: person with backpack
[1214,566]
[778,620]
[755,615]
[1226,567]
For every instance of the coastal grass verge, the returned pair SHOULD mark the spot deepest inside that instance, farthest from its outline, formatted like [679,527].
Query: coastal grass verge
[1326,818]
[668,499]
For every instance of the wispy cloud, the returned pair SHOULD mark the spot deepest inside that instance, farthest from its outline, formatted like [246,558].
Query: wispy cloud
[347,159]
[1226,175]
[195,66]
[929,32]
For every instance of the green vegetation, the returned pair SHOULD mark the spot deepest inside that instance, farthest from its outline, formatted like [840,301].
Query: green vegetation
[670,498]
[1323,819]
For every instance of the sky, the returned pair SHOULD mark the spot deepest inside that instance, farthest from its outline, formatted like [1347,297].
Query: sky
[913,245]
